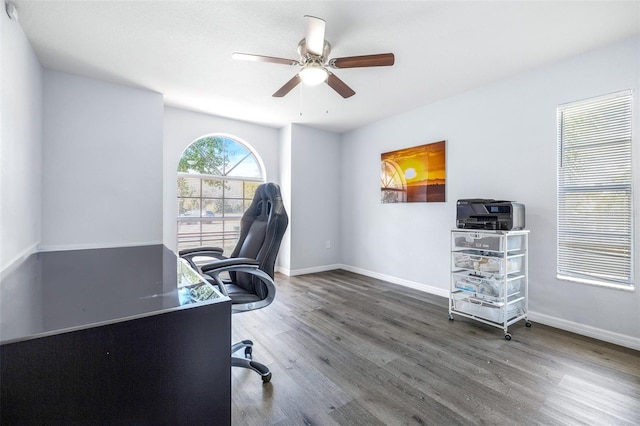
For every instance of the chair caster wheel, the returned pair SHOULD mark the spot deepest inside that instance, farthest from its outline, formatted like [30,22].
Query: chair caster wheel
[248,351]
[450,317]
[528,324]
[507,336]
[266,378]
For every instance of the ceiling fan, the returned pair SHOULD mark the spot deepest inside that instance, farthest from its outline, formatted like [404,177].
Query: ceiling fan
[314,51]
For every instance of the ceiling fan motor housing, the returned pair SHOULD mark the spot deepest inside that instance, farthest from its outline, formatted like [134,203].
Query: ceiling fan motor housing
[305,56]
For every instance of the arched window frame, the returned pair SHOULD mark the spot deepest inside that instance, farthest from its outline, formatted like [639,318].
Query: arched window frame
[210,206]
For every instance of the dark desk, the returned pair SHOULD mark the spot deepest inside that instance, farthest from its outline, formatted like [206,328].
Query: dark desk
[113,336]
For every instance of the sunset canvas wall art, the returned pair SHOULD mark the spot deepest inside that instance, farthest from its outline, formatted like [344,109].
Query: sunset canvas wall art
[416,174]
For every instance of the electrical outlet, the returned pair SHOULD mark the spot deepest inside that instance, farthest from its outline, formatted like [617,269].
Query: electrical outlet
[327,244]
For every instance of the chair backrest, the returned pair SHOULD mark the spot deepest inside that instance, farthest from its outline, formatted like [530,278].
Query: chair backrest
[261,230]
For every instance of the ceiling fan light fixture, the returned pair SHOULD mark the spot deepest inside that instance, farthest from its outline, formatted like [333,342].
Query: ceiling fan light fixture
[313,74]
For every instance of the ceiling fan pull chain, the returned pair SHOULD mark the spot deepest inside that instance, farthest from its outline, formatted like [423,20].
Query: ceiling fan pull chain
[326,99]
[300,103]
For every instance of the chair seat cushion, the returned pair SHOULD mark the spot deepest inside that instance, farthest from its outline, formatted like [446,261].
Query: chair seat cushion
[238,295]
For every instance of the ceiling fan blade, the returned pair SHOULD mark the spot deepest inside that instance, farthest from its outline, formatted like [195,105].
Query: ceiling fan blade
[339,86]
[379,60]
[260,58]
[287,86]
[314,34]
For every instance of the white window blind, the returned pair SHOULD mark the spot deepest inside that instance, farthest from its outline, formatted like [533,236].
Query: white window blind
[595,210]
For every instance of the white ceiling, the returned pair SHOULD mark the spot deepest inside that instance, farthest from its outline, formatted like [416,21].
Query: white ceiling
[183,49]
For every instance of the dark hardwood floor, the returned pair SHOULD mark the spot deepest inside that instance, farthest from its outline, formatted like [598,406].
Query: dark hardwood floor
[345,349]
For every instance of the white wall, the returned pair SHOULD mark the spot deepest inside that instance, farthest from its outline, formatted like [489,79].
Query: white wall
[284,256]
[182,127]
[102,164]
[21,145]
[315,201]
[501,143]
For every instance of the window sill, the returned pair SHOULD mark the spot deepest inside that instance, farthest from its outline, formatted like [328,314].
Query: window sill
[623,287]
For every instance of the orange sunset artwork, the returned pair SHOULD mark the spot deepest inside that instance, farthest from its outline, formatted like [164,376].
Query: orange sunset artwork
[416,174]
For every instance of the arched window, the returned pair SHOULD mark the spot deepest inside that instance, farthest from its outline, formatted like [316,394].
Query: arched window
[217,178]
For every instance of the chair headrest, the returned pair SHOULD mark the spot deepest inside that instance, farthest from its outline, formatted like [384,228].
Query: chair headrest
[268,191]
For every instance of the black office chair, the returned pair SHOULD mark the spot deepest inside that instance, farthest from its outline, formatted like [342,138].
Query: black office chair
[250,266]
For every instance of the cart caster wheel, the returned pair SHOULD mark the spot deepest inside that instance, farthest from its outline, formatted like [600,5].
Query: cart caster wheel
[507,336]
[247,352]
[528,324]
[450,317]
[266,378]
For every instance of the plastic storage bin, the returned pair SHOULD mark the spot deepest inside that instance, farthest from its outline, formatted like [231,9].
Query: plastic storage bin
[487,310]
[487,263]
[487,286]
[484,241]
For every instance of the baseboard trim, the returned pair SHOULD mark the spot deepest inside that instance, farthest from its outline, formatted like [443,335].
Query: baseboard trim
[536,317]
[400,281]
[17,260]
[91,246]
[585,330]
[283,271]
[305,271]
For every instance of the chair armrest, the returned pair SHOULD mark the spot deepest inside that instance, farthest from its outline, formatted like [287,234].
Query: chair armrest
[226,263]
[207,249]
[246,265]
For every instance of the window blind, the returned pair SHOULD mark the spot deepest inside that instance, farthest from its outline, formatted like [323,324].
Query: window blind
[595,210]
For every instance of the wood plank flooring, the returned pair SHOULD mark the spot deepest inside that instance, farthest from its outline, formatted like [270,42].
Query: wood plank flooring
[345,349]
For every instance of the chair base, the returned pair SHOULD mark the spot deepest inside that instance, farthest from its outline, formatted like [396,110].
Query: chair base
[247,361]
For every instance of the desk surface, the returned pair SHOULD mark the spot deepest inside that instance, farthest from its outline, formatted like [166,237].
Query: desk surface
[55,292]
